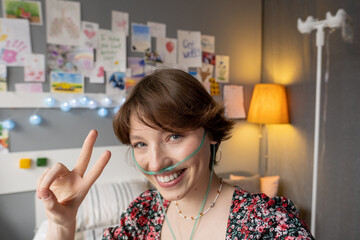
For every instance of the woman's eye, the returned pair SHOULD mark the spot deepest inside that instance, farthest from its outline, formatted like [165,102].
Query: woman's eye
[175,137]
[139,145]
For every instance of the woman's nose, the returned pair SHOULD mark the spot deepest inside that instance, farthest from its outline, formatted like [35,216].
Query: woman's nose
[159,159]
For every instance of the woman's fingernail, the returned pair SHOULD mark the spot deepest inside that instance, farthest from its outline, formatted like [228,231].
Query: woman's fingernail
[45,195]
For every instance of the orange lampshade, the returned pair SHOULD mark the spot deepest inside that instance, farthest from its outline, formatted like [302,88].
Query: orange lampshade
[268,104]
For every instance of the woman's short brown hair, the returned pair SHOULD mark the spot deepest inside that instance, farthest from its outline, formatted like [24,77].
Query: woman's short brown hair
[174,101]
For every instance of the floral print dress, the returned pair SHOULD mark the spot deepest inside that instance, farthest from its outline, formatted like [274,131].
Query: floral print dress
[252,216]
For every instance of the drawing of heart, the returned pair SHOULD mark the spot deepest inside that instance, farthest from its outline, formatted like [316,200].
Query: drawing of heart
[170,46]
[89,34]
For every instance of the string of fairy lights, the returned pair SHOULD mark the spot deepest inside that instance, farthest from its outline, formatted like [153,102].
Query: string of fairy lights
[103,108]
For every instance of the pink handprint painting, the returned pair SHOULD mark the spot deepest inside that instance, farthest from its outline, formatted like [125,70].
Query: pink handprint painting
[15,41]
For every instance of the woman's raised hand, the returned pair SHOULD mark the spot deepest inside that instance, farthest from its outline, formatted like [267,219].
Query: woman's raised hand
[62,190]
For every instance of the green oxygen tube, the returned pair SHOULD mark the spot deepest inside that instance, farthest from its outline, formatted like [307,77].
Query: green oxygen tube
[203,203]
[166,169]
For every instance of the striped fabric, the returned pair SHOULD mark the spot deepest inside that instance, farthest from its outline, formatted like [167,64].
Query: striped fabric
[102,208]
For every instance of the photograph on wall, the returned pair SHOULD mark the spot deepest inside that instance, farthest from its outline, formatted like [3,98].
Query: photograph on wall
[120,22]
[208,58]
[222,68]
[167,48]
[29,10]
[4,140]
[111,50]
[14,41]
[63,25]
[89,34]
[137,66]
[34,69]
[153,58]
[71,59]
[189,48]
[157,29]
[140,38]
[115,82]
[63,82]
[3,78]
[97,75]
[208,43]
[28,88]
[234,101]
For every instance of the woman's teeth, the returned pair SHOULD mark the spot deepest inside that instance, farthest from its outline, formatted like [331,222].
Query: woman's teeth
[169,178]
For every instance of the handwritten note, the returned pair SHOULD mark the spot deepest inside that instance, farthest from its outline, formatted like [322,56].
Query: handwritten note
[89,34]
[112,50]
[189,48]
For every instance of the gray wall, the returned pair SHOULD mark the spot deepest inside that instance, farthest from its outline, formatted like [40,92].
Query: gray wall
[290,58]
[237,28]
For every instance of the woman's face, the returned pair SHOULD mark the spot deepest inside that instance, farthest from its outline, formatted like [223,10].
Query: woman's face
[157,149]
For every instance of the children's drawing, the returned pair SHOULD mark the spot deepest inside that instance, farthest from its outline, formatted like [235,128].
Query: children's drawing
[111,50]
[98,73]
[205,72]
[222,68]
[115,82]
[137,66]
[157,29]
[208,58]
[167,49]
[62,58]
[208,43]
[29,10]
[234,101]
[120,22]
[130,82]
[4,140]
[153,58]
[3,76]
[34,69]
[140,38]
[28,88]
[63,82]
[214,87]
[63,22]
[89,34]
[14,41]
[189,48]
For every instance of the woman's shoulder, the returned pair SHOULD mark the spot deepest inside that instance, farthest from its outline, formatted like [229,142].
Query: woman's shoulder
[258,214]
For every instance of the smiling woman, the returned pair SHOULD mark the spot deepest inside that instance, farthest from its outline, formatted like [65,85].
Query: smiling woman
[174,128]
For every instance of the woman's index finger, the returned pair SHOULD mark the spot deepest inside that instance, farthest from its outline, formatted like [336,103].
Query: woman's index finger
[85,154]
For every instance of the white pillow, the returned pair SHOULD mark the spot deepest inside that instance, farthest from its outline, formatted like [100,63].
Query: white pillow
[250,184]
[269,185]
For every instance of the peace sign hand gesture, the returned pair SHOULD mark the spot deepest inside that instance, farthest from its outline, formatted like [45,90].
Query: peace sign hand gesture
[62,190]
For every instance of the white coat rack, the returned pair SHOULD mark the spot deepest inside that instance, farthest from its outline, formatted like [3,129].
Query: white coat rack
[337,21]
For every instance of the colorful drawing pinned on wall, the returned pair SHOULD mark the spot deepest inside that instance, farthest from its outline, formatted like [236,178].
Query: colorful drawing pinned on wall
[222,68]
[28,88]
[111,50]
[120,22]
[3,78]
[137,65]
[89,34]
[189,48]
[140,38]
[208,43]
[167,48]
[63,82]
[130,82]
[98,74]
[157,29]
[208,58]
[153,58]
[34,69]
[63,24]
[62,58]
[14,41]
[29,10]
[4,140]
[234,101]
[214,87]
[115,82]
